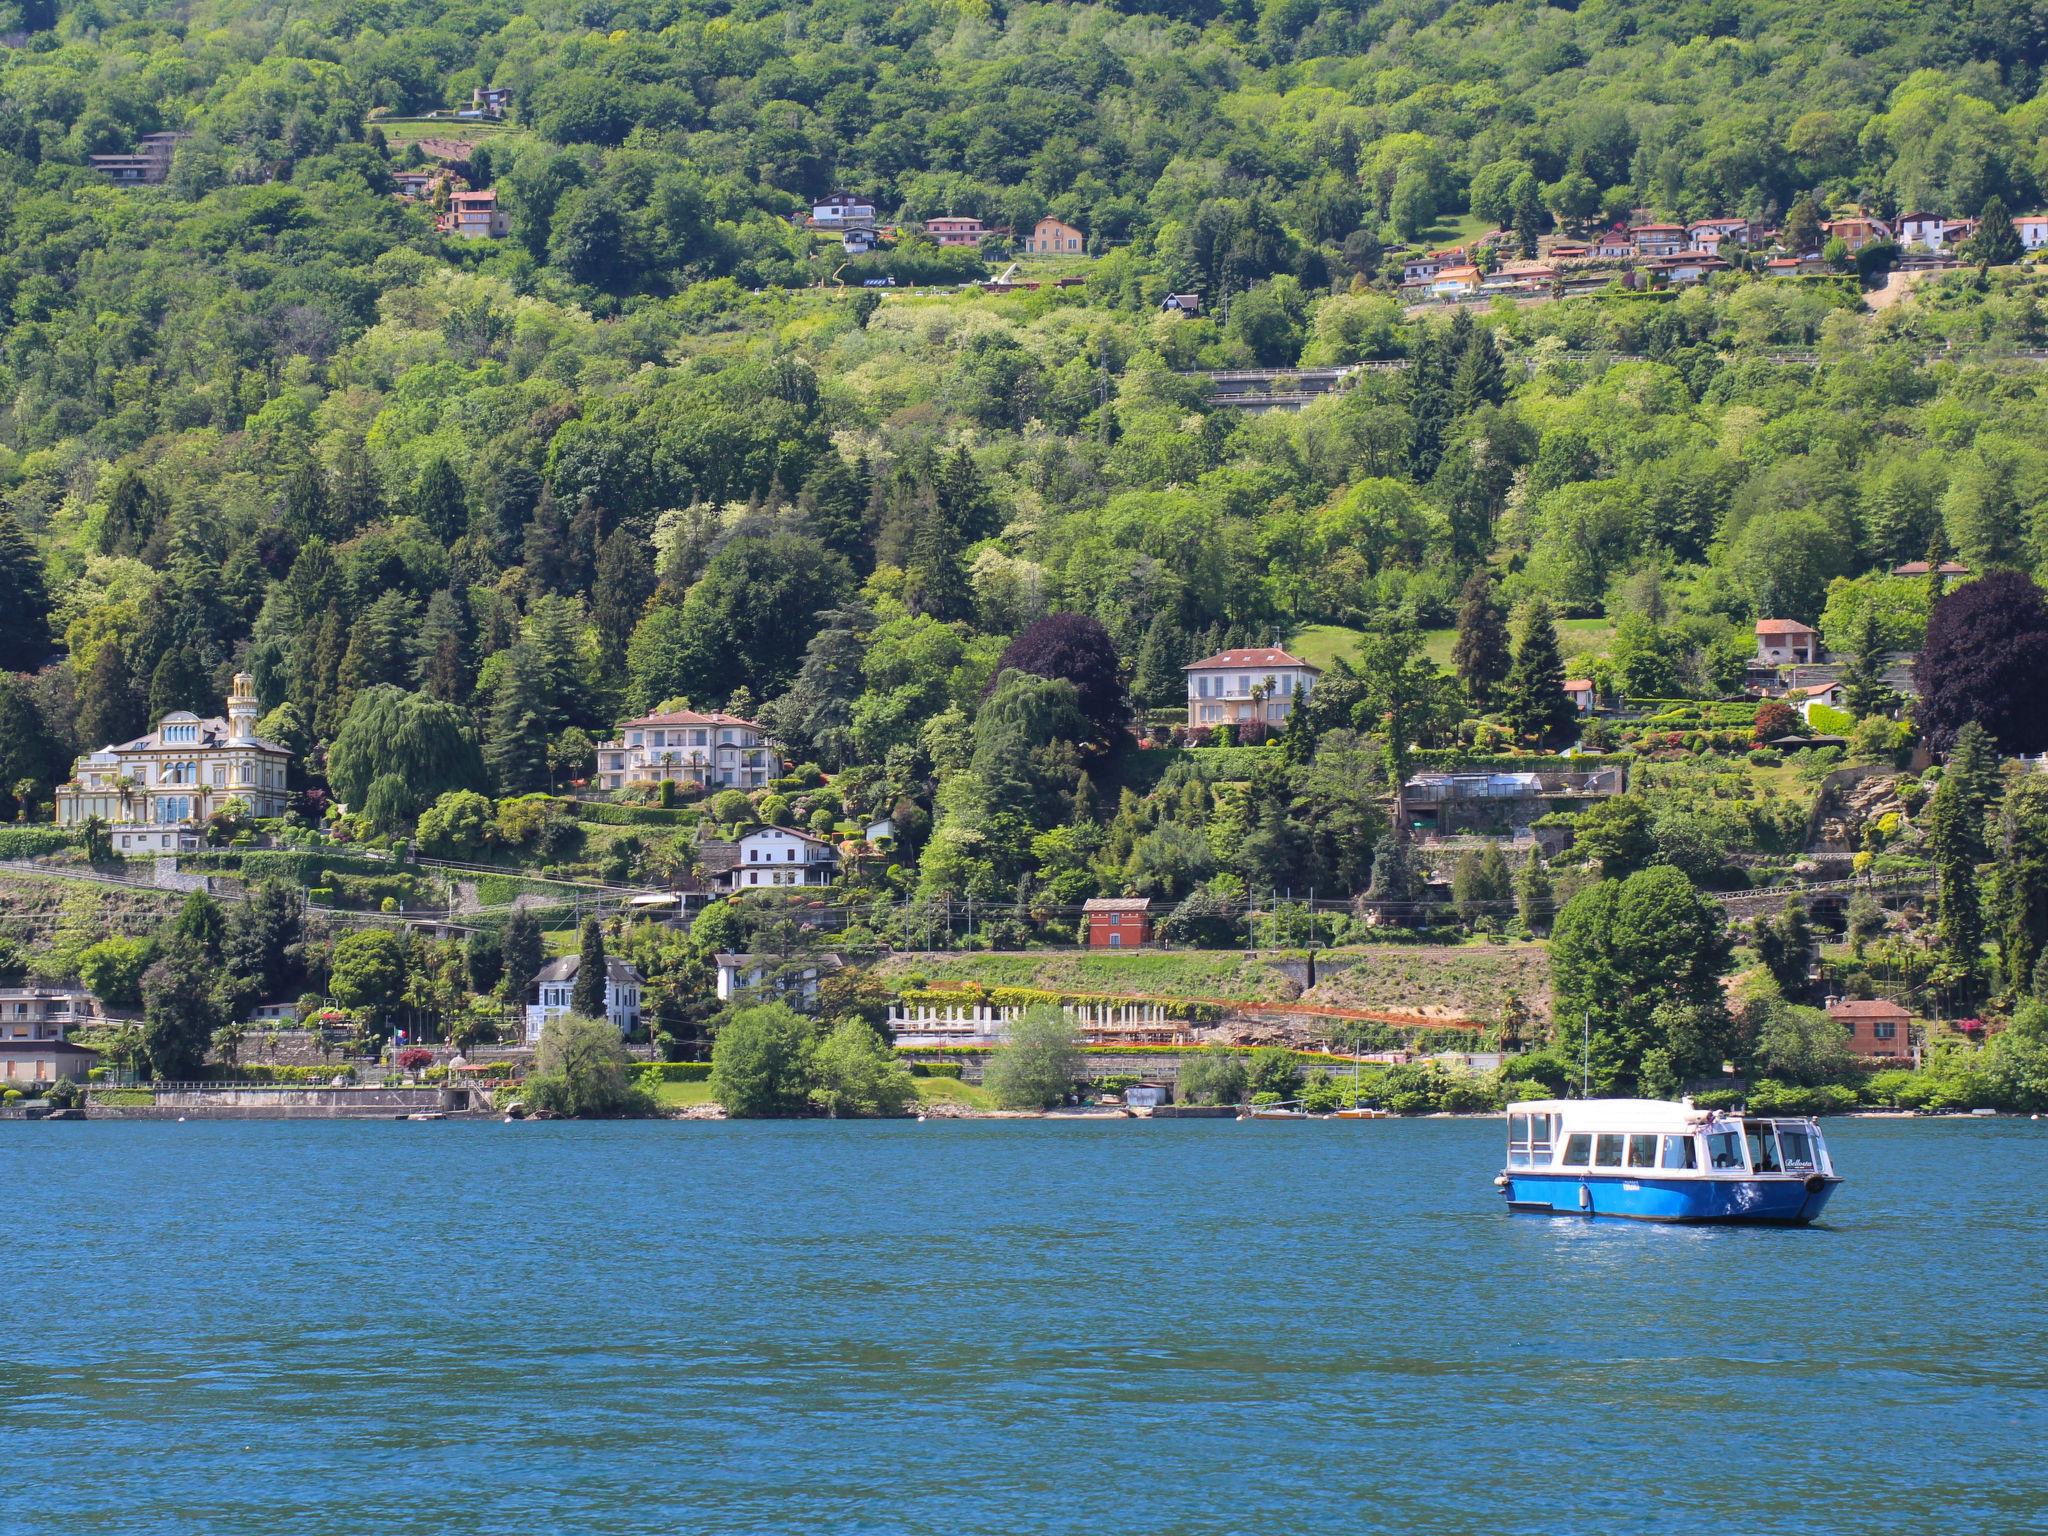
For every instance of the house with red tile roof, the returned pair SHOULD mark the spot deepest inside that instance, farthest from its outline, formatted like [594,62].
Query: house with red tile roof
[1235,687]
[710,751]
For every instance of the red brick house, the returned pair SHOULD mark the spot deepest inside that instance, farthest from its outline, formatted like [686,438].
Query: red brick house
[1117,922]
[1878,1028]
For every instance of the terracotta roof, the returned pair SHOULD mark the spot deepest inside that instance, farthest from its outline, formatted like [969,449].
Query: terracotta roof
[1269,656]
[1578,685]
[1117,904]
[1868,1008]
[1782,626]
[1919,568]
[1815,690]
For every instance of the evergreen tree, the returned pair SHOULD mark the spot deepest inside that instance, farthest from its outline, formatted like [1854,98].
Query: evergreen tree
[1298,740]
[134,512]
[1428,380]
[1536,707]
[1802,233]
[308,510]
[1156,677]
[1956,840]
[937,583]
[439,500]
[523,954]
[1528,201]
[440,666]
[199,925]
[521,725]
[554,634]
[380,645]
[1395,877]
[358,500]
[2022,883]
[1481,655]
[1864,689]
[24,601]
[624,583]
[1480,379]
[180,682]
[1996,243]
[110,706]
[834,502]
[587,996]
[1535,898]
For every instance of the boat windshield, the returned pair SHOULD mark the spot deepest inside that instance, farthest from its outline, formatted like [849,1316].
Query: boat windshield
[1763,1147]
[1528,1141]
[1795,1142]
[1724,1150]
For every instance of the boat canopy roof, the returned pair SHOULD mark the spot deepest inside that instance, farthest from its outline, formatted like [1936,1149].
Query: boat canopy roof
[1638,1115]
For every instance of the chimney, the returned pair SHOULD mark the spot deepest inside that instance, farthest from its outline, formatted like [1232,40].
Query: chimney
[242,708]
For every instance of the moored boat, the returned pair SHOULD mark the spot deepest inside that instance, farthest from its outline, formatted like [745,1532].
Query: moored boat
[1653,1160]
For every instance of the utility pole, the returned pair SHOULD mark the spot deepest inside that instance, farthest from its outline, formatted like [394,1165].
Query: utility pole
[1585,1053]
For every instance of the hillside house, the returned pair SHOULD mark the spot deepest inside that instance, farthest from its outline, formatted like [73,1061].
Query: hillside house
[857,242]
[418,186]
[759,978]
[33,1021]
[1420,269]
[1920,568]
[1857,231]
[1617,244]
[1498,804]
[955,229]
[777,857]
[1181,304]
[148,164]
[156,791]
[474,216]
[1455,283]
[556,984]
[1049,237]
[2032,229]
[1826,695]
[1783,641]
[1232,687]
[842,210]
[711,751]
[1878,1029]
[1116,922]
[1659,239]
[1707,234]
[491,100]
[1580,691]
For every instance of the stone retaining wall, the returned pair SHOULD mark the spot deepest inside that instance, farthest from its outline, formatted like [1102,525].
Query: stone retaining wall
[259,1103]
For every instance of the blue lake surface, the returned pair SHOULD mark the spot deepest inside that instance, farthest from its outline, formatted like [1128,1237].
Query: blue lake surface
[1011,1327]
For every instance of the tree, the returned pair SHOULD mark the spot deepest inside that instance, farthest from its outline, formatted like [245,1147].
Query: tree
[1536,707]
[1986,659]
[1864,689]
[1037,1066]
[456,825]
[1480,885]
[1535,897]
[1077,648]
[523,954]
[427,744]
[199,926]
[761,1062]
[439,501]
[111,707]
[183,1004]
[25,614]
[1996,243]
[1785,946]
[857,1074]
[2021,886]
[1215,1075]
[368,970]
[1803,1046]
[1481,654]
[1615,833]
[1641,960]
[1801,234]
[112,969]
[587,996]
[1957,845]
[262,933]
[1527,197]
[581,1070]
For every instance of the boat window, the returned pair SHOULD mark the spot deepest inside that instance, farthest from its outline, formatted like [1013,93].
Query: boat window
[1681,1152]
[1763,1147]
[1642,1151]
[1724,1150]
[1575,1150]
[1528,1141]
[1607,1151]
[1796,1145]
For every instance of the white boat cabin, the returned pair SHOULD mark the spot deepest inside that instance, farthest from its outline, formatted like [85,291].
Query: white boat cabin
[1635,1136]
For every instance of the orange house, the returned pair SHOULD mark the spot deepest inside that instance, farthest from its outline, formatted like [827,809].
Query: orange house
[1117,922]
[1878,1028]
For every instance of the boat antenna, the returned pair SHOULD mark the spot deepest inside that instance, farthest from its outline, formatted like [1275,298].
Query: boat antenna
[1585,1053]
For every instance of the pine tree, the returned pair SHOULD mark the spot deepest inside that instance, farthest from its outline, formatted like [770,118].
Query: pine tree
[379,645]
[625,581]
[1957,843]
[1429,402]
[1480,379]
[1298,741]
[937,583]
[1535,899]
[1802,232]
[24,601]
[358,500]
[110,707]
[439,500]
[523,955]
[1536,706]
[308,510]
[1996,243]
[1481,654]
[587,996]
[520,727]
[179,682]
[134,511]
[1864,689]
[441,649]
[1156,677]
[1528,200]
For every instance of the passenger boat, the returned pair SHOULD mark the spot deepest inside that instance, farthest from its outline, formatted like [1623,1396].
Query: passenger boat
[1652,1160]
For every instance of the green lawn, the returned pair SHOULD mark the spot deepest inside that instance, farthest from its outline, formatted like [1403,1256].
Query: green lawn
[1449,230]
[681,1095]
[1322,644]
[947,1090]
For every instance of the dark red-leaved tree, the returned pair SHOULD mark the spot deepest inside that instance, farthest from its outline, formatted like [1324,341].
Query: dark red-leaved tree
[1986,659]
[1077,648]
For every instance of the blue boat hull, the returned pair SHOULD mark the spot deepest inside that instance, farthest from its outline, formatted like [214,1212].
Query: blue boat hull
[1771,1201]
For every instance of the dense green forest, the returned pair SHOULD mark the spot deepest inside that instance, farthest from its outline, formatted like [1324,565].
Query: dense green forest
[475,500]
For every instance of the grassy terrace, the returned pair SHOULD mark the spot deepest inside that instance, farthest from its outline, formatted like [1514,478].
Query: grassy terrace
[1220,975]
[1324,643]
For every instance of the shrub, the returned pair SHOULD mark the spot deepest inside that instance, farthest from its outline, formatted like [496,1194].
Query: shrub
[414,1057]
[1213,1076]
[856,1073]
[1038,1065]
[760,1062]
[581,1071]
[653,1072]
[951,1069]
[29,842]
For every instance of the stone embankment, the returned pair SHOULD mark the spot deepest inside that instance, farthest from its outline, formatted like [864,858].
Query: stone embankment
[248,1101]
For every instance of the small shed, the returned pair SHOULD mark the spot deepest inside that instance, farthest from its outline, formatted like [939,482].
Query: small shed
[1117,922]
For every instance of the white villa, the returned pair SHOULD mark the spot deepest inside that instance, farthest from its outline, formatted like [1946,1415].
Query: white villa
[782,856]
[1235,686]
[156,791]
[556,984]
[711,751]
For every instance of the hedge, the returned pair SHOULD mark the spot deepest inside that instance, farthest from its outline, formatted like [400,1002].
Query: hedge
[1231,762]
[650,1073]
[29,842]
[952,1069]
[1456,759]
[604,813]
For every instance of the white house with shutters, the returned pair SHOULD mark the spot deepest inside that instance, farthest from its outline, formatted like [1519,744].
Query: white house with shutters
[778,857]
[1233,687]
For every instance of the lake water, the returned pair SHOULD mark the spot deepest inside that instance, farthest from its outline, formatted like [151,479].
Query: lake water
[998,1327]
